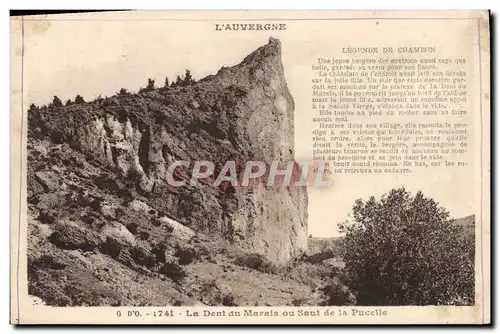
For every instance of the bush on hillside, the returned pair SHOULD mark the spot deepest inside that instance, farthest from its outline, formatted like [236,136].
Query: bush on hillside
[79,99]
[56,102]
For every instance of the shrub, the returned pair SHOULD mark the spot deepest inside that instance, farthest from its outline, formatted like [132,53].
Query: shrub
[179,81]
[48,216]
[308,274]
[319,257]
[299,301]
[213,294]
[49,261]
[106,182]
[404,250]
[65,239]
[155,221]
[173,271]
[142,257]
[96,204]
[143,235]
[132,178]
[87,219]
[159,252]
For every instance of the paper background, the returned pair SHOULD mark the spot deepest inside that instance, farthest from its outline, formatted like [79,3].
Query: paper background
[92,54]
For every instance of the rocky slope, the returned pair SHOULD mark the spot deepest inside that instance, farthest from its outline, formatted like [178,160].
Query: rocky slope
[105,228]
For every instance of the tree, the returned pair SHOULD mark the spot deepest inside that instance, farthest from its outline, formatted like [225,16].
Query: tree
[56,102]
[179,81]
[167,84]
[123,91]
[79,99]
[188,78]
[404,250]
[69,102]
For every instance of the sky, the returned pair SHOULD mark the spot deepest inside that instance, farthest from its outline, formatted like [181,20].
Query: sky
[98,57]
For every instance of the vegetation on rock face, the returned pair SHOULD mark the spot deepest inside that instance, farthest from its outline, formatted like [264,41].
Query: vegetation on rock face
[404,250]
[151,85]
[105,230]
[178,81]
[400,250]
[188,78]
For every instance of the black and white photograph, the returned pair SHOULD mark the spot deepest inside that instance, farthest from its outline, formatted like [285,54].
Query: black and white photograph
[243,166]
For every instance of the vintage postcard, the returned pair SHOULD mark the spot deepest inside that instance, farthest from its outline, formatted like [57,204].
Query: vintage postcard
[250,167]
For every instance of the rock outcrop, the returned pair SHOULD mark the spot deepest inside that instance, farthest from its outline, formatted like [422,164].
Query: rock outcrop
[242,113]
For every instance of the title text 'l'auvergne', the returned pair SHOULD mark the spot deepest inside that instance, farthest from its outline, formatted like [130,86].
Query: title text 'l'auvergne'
[249,26]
